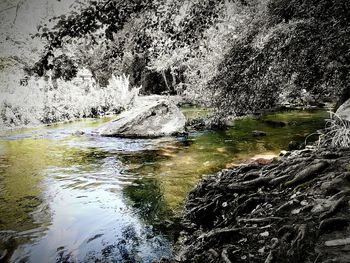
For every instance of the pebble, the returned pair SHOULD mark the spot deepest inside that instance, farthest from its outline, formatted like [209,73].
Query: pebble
[296,211]
[304,203]
[262,250]
[265,234]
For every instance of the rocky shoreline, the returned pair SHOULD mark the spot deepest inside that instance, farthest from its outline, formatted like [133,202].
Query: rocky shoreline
[294,209]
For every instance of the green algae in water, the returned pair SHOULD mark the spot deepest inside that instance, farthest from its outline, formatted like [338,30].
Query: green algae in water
[98,186]
[179,167]
[196,112]
[24,157]
[21,174]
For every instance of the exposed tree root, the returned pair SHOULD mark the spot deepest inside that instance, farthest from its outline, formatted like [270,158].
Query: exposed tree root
[293,210]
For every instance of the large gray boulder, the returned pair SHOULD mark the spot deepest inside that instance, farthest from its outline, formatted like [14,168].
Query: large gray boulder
[344,110]
[149,117]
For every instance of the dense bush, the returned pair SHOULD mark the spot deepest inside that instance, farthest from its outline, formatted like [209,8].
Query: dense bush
[41,102]
[132,37]
[290,48]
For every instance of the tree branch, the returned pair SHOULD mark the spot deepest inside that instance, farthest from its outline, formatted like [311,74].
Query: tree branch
[8,8]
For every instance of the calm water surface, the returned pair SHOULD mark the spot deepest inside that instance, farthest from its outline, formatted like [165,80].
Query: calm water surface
[67,197]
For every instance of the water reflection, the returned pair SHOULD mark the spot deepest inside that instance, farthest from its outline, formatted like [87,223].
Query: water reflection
[76,197]
[62,196]
[177,166]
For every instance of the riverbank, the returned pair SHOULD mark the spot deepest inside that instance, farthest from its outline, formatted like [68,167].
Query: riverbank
[294,209]
[61,177]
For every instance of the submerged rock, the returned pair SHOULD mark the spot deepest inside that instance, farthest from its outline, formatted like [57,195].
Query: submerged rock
[257,133]
[196,124]
[78,133]
[275,123]
[3,254]
[149,117]
[8,245]
[295,145]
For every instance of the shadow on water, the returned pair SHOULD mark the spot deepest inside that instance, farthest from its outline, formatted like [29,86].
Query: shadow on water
[68,197]
[153,209]
[166,175]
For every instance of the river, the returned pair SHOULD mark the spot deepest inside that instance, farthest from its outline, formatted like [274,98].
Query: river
[72,197]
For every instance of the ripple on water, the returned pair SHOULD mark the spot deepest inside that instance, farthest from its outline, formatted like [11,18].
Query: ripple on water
[90,221]
[75,197]
[82,214]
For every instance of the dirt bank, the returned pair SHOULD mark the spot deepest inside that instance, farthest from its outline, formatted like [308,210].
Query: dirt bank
[295,209]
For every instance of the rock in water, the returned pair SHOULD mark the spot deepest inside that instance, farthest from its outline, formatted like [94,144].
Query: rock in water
[258,133]
[344,110]
[150,117]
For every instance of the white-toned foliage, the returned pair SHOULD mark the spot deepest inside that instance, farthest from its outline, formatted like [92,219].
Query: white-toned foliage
[337,132]
[43,102]
[199,66]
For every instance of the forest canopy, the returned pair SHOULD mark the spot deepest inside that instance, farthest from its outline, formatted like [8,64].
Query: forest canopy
[242,56]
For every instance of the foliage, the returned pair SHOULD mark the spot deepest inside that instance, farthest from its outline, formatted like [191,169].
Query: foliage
[132,37]
[41,102]
[97,20]
[63,67]
[337,132]
[290,47]
[242,56]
